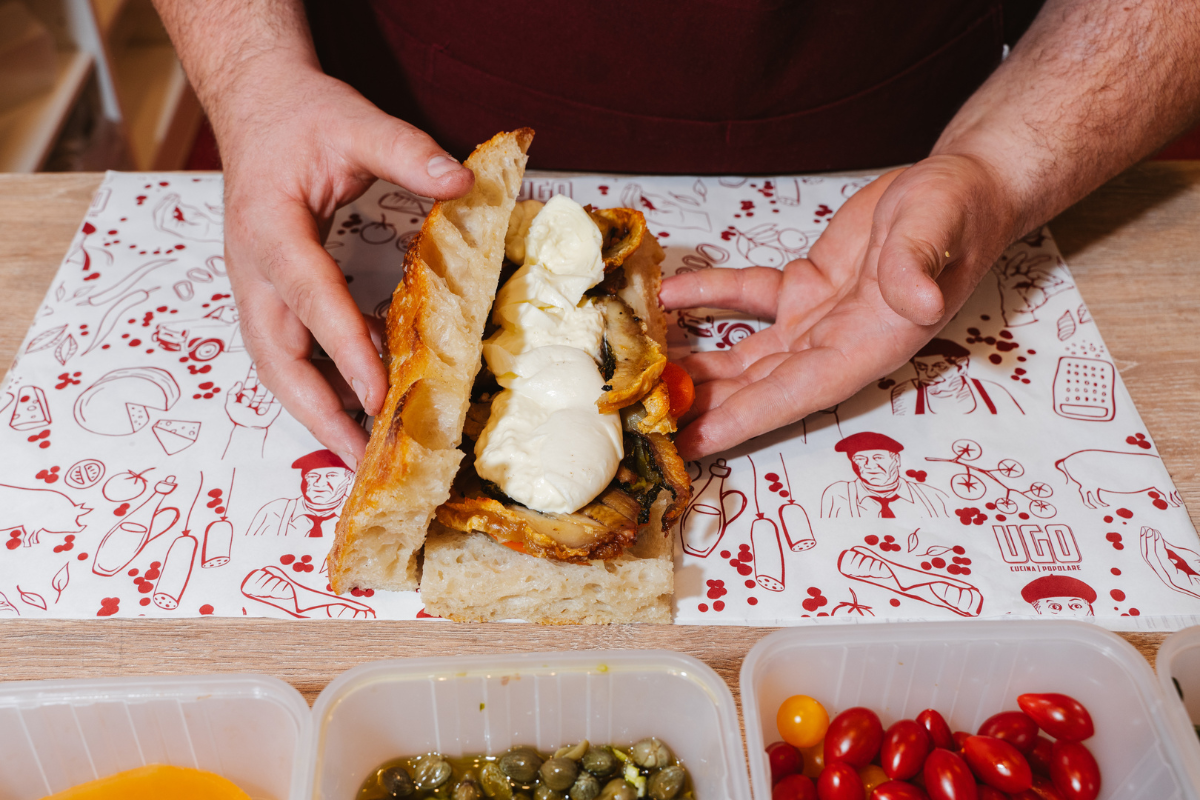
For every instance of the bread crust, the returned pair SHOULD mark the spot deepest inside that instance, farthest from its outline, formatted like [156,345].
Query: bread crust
[433,341]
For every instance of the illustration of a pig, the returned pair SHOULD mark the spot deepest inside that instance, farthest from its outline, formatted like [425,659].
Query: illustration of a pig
[39,511]
[1110,471]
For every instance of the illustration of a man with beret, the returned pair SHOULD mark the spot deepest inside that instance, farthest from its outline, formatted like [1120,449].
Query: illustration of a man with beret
[1059,596]
[944,385]
[325,480]
[879,490]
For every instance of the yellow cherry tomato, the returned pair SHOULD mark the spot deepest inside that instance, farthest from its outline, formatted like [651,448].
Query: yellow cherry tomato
[872,775]
[802,721]
[814,759]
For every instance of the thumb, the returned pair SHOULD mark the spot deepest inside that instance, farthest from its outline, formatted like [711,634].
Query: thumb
[921,241]
[399,153]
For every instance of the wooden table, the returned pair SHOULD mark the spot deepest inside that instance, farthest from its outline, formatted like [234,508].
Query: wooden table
[1133,246]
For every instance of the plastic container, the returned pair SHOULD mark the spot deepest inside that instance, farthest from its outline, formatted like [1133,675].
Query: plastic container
[969,671]
[1179,661]
[486,704]
[251,729]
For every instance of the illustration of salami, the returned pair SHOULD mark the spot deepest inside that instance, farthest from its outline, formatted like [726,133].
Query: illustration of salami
[943,591]
[1083,389]
[118,404]
[765,545]
[141,526]
[177,565]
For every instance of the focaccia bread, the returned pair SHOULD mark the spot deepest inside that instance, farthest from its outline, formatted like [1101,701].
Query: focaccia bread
[434,340]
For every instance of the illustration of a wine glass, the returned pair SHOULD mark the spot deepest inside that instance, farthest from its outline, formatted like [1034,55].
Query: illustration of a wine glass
[141,526]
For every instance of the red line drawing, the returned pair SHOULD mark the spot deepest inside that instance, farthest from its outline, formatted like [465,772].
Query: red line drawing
[852,606]
[1177,567]
[7,607]
[114,314]
[251,409]
[942,591]
[31,411]
[879,490]
[1112,471]
[711,512]
[48,512]
[325,480]
[1059,596]
[204,338]
[66,349]
[943,385]
[970,485]
[1027,280]
[45,339]
[218,536]
[175,435]
[119,291]
[765,545]
[768,245]
[118,403]
[126,486]
[60,581]
[31,598]
[406,202]
[125,540]
[727,332]
[1066,326]
[84,474]
[797,529]
[272,587]
[189,222]
[661,210]
[177,564]
[1083,389]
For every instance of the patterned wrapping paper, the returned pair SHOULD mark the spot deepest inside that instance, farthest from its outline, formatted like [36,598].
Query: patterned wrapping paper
[1004,472]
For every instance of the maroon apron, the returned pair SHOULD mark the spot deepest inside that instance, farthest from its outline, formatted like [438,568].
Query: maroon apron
[715,86]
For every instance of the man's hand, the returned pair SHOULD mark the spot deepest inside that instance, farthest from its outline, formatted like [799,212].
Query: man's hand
[897,260]
[296,145]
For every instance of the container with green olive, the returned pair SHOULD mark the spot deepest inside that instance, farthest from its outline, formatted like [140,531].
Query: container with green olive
[582,771]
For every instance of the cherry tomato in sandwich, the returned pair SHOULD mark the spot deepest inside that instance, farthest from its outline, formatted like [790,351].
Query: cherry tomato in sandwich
[935,725]
[1059,715]
[801,721]
[1074,771]
[997,763]
[905,746]
[794,787]
[1039,756]
[1014,727]
[680,388]
[947,777]
[785,760]
[840,782]
[898,790]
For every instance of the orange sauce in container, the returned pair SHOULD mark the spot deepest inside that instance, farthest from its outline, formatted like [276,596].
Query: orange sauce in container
[156,782]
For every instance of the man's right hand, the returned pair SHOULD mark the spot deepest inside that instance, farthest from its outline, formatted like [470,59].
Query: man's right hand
[297,145]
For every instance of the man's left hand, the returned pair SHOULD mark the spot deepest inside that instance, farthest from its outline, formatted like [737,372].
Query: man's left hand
[894,265]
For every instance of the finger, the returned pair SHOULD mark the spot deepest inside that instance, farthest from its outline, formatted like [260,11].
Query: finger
[260,393]
[392,149]
[279,345]
[753,290]
[920,242]
[234,393]
[345,394]
[376,327]
[718,364]
[784,396]
[313,287]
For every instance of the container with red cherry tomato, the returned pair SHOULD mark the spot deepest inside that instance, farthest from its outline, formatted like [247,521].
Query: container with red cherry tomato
[1035,753]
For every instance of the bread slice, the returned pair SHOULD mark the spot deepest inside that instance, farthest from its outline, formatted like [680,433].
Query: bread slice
[469,577]
[434,340]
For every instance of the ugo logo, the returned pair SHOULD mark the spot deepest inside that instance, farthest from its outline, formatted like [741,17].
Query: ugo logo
[1023,544]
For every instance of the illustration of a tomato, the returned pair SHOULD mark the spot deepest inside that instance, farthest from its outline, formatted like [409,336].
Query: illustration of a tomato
[853,737]
[967,486]
[125,486]
[84,474]
[1006,506]
[378,232]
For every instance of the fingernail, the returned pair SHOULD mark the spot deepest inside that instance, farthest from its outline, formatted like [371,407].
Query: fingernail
[349,460]
[360,391]
[440,165]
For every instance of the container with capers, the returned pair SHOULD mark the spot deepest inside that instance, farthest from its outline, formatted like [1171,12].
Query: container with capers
[581,771]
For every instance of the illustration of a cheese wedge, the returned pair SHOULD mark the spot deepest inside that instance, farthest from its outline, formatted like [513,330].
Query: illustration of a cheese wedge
[175,434]
[118,404]
[31,411]
[864,564]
